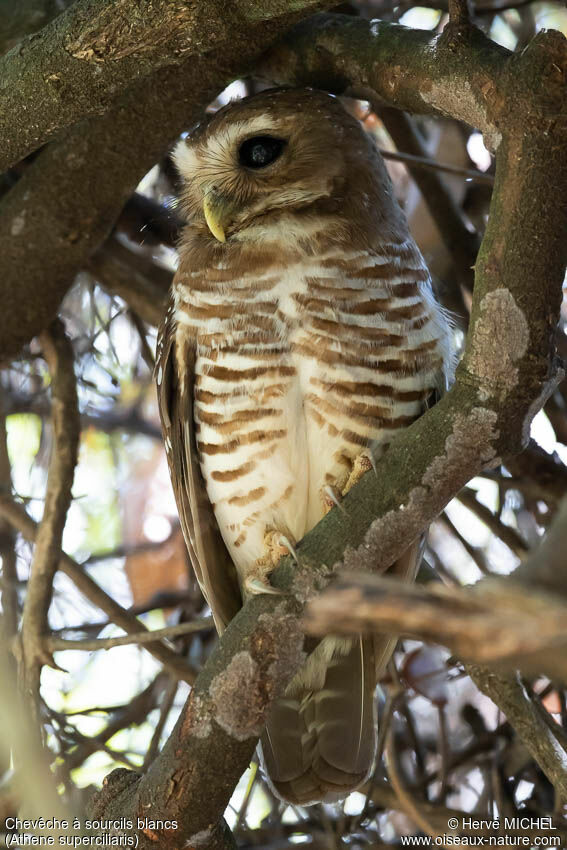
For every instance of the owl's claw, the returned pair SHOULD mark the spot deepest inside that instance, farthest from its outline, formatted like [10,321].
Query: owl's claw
[285,544]
[277,545]
[331,497]
[255,586]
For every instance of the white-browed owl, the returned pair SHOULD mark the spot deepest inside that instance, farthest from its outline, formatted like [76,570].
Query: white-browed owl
[301,334]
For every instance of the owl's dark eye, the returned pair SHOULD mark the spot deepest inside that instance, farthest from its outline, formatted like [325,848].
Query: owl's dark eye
[260,151]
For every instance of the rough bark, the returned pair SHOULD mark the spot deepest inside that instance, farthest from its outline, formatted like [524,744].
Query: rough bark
[58,353]
[75,65]
[19,19]
[413,70]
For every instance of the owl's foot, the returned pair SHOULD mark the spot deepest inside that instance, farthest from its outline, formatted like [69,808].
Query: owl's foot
[276,545]
[362,463]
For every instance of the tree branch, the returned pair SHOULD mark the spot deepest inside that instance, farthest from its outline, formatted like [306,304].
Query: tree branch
[527,718]
[137,280]
[514,623]
[203,624]
[497,622]
[19,19]
[8,581]
[459,15]
[426,163]
[73,68]
[461,242]
[546,567]
[127,419]
[413,70]
[58,353]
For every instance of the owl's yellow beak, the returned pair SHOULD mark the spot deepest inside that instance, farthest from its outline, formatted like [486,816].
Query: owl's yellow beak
[218,211]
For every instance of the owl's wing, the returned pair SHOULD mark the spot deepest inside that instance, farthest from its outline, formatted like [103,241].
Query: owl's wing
[209,556]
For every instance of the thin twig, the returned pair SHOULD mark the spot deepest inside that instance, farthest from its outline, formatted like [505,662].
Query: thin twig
[473,551]
[166,706]
[408,805]
[461,242]
[134,713]
[432,164]
[59,644]
[508,535]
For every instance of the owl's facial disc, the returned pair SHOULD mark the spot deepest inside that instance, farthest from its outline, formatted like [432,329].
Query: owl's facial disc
[258,165]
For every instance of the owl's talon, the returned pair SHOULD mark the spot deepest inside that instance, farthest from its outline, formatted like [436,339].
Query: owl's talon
[276,545]
[255,587]
[332,499]
[284,543]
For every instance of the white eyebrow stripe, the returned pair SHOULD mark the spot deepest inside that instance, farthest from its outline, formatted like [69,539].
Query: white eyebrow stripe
[191,159]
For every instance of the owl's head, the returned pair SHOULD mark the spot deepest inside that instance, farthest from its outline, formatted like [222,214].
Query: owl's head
[277,164]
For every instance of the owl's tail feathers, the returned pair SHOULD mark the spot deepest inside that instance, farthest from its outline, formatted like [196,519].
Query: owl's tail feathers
[320,741]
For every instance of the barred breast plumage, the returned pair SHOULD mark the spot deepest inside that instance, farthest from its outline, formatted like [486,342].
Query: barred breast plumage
[302,341]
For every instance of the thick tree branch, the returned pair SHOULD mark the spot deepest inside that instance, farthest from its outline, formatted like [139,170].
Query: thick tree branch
[19,19]
[213,741]
[514,623]
[497,622]
[76,64]
[413,70]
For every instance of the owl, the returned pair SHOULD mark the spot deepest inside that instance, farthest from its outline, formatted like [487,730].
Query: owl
[301,334]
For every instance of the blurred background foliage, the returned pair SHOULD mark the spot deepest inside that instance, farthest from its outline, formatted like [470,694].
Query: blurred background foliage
[448,746]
